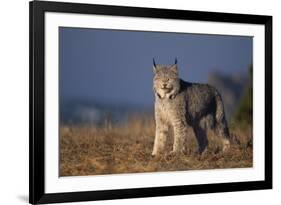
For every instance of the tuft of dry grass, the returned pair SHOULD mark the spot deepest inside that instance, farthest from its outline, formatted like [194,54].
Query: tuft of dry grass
[91,150]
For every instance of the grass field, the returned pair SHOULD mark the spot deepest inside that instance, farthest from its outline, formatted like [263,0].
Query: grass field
[89,150]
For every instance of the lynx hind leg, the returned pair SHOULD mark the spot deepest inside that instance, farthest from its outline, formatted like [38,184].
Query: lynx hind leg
[201,137]
[223,132]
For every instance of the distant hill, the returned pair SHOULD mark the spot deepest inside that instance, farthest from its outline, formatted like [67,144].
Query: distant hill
[231,87]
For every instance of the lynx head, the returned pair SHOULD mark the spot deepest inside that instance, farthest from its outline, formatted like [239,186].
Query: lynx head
[166,82]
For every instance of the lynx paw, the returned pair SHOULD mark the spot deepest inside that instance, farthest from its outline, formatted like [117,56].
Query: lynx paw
[226,145]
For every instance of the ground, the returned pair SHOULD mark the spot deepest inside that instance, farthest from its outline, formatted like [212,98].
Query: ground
[92,150]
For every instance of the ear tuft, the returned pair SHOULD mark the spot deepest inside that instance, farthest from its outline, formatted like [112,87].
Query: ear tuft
[154,64]
[154,67]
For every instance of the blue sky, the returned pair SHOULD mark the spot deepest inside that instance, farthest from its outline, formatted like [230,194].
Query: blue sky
[115,66]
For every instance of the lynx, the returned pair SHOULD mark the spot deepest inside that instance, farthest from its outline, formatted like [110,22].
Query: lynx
[182,106]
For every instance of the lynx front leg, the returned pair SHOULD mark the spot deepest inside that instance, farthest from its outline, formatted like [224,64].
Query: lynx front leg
[180,136]
[160,137]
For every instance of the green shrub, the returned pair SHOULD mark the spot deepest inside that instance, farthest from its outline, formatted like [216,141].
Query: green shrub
[243,116]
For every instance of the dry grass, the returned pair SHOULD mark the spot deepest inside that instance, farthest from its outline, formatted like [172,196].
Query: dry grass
[88,150]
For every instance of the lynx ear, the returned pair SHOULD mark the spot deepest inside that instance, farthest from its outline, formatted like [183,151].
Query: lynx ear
[154,69]
[174,68]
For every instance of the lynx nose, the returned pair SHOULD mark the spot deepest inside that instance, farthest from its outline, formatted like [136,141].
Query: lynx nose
[165,85]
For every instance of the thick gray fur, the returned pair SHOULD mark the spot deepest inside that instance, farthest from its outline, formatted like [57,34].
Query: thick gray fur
[183,105]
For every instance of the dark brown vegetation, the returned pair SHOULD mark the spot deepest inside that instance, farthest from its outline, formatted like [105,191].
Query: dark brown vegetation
[89,150]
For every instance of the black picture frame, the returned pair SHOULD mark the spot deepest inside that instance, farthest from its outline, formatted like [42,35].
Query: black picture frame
[37,194]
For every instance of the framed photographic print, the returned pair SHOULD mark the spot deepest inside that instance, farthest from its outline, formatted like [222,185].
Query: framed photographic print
[141,102]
